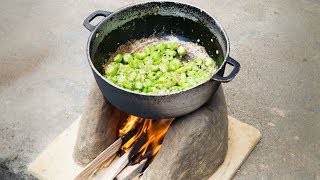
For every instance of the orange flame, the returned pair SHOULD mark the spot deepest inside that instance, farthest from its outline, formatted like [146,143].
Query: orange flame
[131,122]
[154,130]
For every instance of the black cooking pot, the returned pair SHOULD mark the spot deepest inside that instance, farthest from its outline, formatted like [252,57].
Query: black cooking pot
[160,18]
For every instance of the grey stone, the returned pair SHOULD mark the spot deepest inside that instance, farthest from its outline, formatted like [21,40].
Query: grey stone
[98,127]
[195,145]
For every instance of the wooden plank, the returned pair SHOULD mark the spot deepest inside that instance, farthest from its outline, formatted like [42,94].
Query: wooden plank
[103,167]
[242,140]
[116,167]
[99,160]
[131,172]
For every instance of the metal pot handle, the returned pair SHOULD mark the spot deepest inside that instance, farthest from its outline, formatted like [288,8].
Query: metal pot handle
[234,72]
[95,14]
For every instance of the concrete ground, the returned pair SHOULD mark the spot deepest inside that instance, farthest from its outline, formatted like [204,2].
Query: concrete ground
[45,78]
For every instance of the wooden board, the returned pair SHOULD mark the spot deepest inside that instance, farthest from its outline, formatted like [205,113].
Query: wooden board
[242,140]
[56,161]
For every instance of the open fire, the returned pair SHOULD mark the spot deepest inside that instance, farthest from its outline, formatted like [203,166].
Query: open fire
[147,140]
[139,141]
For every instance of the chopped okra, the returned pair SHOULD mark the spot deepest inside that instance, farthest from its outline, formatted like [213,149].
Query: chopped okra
[158,69]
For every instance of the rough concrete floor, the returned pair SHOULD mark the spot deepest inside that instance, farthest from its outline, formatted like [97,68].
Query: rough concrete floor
[44,78]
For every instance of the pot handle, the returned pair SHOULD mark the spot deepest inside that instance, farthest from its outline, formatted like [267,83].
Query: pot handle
[95,14]
[234,72]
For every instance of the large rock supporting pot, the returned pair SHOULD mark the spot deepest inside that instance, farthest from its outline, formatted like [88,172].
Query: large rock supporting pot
[98,127]
[195,145]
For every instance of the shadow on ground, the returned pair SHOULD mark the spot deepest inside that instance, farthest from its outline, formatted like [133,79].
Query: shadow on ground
[6,174]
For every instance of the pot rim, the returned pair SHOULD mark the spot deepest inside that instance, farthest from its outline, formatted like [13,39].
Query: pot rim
[119,10]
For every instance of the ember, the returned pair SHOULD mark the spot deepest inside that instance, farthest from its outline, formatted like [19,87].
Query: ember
[147,141]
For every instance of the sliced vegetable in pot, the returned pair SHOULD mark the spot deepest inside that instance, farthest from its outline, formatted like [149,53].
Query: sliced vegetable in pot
[159,69]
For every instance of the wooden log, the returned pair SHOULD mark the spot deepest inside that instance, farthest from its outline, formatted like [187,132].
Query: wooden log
[131,172]
[116,167]
[100,174]
[137,177]
[103,166]
[99,160]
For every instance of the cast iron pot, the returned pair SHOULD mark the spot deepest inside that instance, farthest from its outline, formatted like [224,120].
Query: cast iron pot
[159,18]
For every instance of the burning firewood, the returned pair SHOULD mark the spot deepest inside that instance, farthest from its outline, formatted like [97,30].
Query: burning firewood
[129,156]
[140,139]
[148,139]
[107,153]
[143,145]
